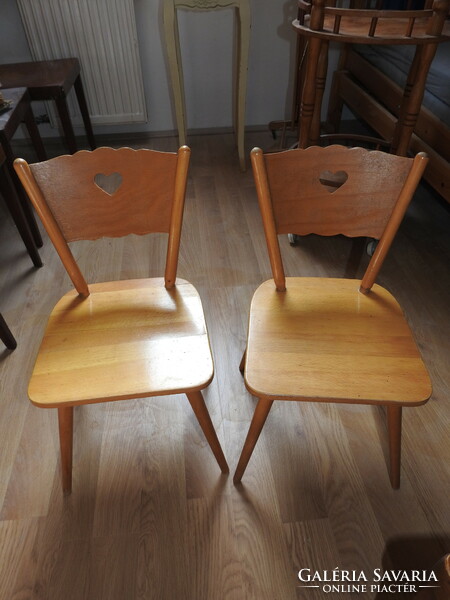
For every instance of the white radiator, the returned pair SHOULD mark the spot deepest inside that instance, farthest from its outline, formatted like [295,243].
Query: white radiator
[102,34]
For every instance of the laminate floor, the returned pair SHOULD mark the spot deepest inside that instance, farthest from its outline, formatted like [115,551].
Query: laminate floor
[150,515]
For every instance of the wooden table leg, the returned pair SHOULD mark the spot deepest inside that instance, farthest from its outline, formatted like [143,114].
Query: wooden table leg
[26,207]
[84,112]
[66,123]
[15,208]
[34,135]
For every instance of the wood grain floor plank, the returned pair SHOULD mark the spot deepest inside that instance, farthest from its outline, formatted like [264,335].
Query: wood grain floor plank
[308,556]
[17,560]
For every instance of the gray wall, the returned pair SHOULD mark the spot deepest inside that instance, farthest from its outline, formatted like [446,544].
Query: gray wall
[207,40]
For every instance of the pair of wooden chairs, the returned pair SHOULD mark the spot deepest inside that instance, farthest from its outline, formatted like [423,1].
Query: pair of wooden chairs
[338,340]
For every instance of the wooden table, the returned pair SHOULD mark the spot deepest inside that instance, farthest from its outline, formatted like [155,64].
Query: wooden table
[20,112]
[52,80]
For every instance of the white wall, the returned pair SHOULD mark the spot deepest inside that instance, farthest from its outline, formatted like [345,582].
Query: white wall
[207,40]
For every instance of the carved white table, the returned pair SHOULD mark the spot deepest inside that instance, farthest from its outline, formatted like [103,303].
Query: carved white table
[174,55]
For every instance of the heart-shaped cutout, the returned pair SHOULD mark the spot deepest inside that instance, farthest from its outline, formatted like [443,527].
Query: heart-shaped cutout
[108,183]
[333,181]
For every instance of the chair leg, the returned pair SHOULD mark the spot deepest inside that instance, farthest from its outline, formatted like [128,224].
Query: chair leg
[34,135]
[14,205]
[65,420]
[66,123]
[394,421]
[201,412]
[242,363]
[259,418]
[24,200]
[6,336]
[78,85]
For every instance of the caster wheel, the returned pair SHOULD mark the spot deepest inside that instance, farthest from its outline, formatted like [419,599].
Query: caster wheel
[293,238]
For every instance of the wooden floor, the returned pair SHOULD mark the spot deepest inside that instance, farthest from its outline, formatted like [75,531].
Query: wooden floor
[150,516]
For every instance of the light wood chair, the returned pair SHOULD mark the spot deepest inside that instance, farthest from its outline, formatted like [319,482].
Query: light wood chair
[242,8]
[332,340]
[122,339]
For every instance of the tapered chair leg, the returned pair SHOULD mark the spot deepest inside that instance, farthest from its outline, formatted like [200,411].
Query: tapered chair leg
[394,421]
[259,418]
[201,412]
[65,420]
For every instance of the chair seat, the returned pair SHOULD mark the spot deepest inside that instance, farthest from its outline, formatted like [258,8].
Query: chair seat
[324,340]
[128,339]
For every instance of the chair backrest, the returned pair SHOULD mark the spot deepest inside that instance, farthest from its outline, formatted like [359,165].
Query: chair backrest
[334,190]
[108,193]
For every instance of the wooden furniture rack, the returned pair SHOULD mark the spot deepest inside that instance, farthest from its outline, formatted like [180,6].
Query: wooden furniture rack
[375,99]
[318,24]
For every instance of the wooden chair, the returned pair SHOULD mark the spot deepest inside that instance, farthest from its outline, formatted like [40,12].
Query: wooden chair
[332,340]
[122,339]
[319,23]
